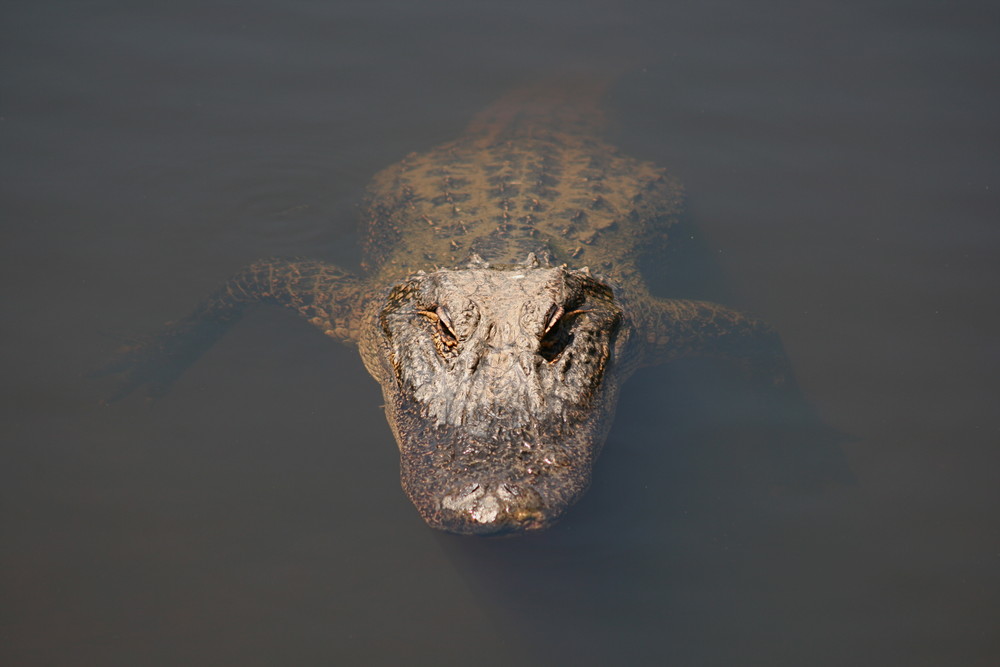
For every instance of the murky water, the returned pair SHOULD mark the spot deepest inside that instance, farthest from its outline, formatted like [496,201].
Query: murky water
[843,172]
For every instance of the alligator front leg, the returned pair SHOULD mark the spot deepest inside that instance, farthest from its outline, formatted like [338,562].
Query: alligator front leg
[328,297]
[678,329]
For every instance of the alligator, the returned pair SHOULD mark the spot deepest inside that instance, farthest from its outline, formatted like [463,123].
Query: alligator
[500,307]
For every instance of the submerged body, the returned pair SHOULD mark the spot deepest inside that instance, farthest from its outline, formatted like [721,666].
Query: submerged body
[501,310]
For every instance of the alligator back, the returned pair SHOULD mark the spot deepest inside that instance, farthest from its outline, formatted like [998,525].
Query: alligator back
[529,174]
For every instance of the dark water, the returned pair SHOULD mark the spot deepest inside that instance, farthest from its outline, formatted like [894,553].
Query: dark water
[842,166]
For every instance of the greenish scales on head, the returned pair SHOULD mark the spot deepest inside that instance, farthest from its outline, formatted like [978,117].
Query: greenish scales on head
[500,370]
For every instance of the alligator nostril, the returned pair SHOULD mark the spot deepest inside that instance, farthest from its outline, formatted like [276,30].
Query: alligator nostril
[507,492]
[487,509]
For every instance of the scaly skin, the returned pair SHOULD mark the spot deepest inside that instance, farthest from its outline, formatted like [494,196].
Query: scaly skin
[501,310]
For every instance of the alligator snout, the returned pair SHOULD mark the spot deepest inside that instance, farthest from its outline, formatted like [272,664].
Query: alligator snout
[491,509]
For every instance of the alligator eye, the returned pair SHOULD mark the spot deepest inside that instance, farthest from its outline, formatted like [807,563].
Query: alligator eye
[557,334]
[445,328]
[552,317]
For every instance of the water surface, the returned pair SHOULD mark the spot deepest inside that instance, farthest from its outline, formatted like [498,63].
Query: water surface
[842,168]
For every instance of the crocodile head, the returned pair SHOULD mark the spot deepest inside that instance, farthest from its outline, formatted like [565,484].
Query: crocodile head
[499,384]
